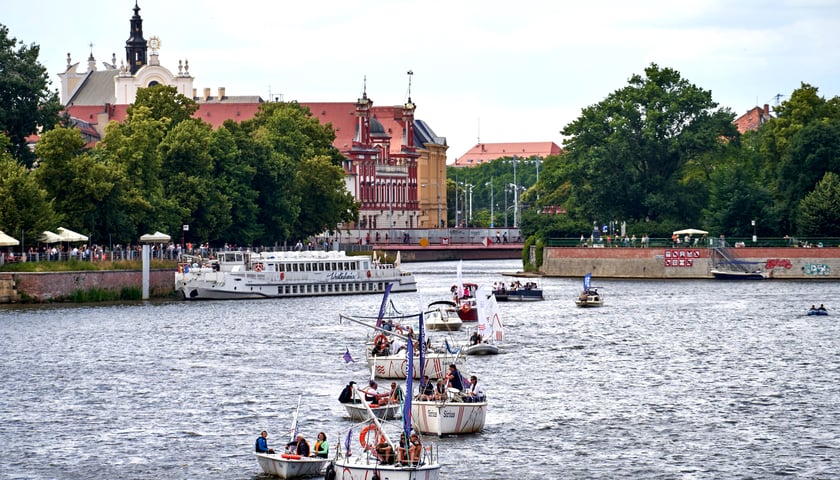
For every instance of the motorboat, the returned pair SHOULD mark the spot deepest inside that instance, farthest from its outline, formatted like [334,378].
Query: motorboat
[251,275]
[589,296]
[443,315]
[517,292]
[738,274]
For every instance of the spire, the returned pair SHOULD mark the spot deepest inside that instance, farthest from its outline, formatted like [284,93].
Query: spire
[363,106]
[91,60]
[135,46]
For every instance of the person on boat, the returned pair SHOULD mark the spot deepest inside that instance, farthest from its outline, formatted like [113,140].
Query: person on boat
[475,338]
[298,446]
[454,378]
[822,308]
[322,447]
[813,308]
[415,448]
[381,346]
[374,397]
[397,394]
[347,395]
[427,389]
[440,390]
[384,451]
[475,393]
[262,443]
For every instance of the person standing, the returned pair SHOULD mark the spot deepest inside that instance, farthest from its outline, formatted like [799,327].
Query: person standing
[261,444]
[454,378]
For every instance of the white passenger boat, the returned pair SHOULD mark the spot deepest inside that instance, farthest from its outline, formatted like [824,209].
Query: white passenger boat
[241,275]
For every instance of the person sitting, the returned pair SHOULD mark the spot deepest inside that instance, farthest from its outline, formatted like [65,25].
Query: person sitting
[822,308]
[385,452]
[397,395]
[322,447]
[813,308]
[440,390]
[475,338]
[415,448]
[298,446]
[261,444]
[427,389]
[402,450]
[373,396]
[381,346]
[347,395]
[475,393]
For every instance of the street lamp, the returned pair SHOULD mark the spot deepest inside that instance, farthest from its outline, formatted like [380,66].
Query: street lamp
[468,188]
[515,204]
[754,234]
[490,184]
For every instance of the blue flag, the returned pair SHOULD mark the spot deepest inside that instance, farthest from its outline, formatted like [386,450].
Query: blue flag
[347,357]
[384,304]
[409,387]
[586,280]
[347,443]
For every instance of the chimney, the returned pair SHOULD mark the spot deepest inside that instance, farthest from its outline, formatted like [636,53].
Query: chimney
[221,93]
[206,93]
[766,109]
[195,92]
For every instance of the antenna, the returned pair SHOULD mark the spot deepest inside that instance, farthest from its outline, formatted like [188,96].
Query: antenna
[778,97]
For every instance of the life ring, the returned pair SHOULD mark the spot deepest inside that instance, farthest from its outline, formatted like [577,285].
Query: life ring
[368,273]
[258,267]
[380,339]
[290,456]
[363,435]
[465,307]
[282,275]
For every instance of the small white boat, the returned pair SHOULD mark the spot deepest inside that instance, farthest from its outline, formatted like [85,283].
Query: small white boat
[443,315]
[489,333]
[737,275]
[250,275]
[589,297]
[285,465]
[359,413]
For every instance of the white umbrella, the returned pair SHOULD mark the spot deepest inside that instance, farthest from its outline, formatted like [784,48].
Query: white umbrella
[50,237]
[690,231]
[66,235]
[156,237]
[7,241]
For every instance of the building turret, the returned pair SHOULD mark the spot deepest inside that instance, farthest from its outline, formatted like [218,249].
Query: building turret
[135,46]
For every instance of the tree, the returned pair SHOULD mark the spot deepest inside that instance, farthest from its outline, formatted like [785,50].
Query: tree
[25,102]
[627,154]
[325,200]
[24,204]
[164,102]
[819,211]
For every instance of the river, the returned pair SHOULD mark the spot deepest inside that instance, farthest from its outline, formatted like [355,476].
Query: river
[675,379]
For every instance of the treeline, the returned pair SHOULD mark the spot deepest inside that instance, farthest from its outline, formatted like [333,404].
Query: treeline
[659,155]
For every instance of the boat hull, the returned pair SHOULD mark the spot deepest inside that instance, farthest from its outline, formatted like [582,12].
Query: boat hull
[274,464]
[448,418]
[394,366]
[357,412]
[531,295]
[732,275]
[481,349]
[364,468]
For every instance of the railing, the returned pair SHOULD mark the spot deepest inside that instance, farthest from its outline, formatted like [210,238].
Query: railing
[710,242]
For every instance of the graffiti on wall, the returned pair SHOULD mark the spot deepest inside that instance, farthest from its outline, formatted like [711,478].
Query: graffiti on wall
[778,262]
[820,269]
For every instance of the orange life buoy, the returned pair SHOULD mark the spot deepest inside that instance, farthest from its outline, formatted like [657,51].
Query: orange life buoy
[380,339]
[258,267]
[465,307]
[368,273]
[282,275]
[290,456]
[363,436]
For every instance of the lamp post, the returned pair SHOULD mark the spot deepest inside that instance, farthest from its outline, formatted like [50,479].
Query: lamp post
[754,233]
[506,205]
[515,204]
[490,183]
[457,212]
[468,190]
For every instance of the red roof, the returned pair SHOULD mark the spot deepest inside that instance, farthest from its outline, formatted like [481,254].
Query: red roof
[487,152]
[753,119]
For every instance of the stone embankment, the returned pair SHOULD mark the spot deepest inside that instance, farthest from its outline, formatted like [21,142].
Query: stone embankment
[779,263]
[49,286]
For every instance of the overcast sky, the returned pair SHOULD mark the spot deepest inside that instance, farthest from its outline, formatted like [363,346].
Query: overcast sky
[489,70]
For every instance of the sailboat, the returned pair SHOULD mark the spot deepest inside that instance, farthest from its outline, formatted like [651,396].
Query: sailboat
[291,465]
[485,340]
[589,297]
[450,414]
[369,464]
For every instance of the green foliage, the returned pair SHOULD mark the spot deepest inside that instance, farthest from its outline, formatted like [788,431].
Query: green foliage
[819,211]
[25,101]
[526,254]
[24,205]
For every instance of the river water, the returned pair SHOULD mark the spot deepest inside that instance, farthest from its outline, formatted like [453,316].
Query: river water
[669,380]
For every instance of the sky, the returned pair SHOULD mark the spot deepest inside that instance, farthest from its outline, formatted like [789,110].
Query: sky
[483,71]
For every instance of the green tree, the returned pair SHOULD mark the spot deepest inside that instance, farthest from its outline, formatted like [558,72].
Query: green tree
[326,201]
[164,102]
[235,175]
[25,101]
[24,204]
[627,155]
[819,211]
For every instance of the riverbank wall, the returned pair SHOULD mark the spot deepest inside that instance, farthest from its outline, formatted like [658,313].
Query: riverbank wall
[55,286]
[657,263]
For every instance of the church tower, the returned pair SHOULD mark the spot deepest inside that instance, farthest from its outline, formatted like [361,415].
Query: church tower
[135,46]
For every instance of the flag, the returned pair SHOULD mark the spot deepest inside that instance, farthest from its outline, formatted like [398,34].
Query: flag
[383,305]
[421,341]
[586,281]
[449,348]
[486,242]
[460,283]
[347,357]
[409,387]
[347,442]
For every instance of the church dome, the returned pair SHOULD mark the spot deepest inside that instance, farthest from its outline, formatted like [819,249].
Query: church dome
[376,129]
